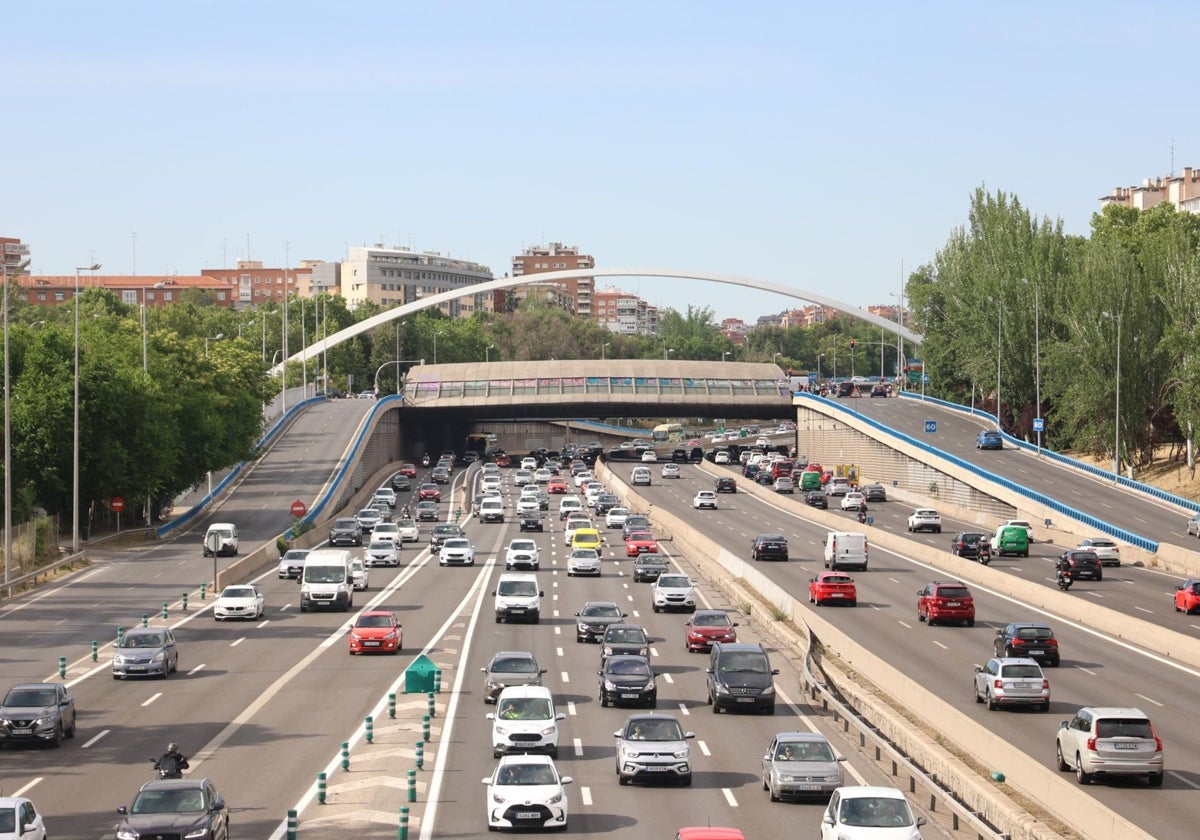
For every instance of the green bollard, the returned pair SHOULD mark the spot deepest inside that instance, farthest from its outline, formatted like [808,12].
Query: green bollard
[370,725]
[420,755]
[345,755]
[291,824]
[62,667]
[95,650]
[412,785]
[403,822]
[145,620]
[432,705]
[184,599]
[425,728]
[321,788]
[120,635]
[437,681]
[164,610]
[203,591]
[392,705]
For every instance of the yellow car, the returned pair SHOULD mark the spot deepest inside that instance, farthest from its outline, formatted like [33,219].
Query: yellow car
[586,538]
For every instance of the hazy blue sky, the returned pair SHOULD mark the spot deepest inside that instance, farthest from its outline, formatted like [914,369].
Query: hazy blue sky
[808,145]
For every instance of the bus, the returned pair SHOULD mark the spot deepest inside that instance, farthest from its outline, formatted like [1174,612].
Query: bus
[482,443]
[663,432]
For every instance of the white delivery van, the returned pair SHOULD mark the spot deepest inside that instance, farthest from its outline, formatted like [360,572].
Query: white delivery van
[327,580]
[221,538]
[518,598]
[525,720]
[491,509]
[844,549]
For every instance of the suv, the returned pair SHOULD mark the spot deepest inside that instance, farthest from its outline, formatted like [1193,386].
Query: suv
[291,564]
[593,620]
[525,721]
[37,712]
[966,544]
[531,520]
[740,676]
[655,746]
[946,601]
[220,539]
[769,547]
[523,554]
[346,530]
[1011,682]
[989,440]
[1084,564]
[1027,638]
[725,484]
[1103,741]
[189,808]
[673,591]
[925,519]
[441,533]
[509,667]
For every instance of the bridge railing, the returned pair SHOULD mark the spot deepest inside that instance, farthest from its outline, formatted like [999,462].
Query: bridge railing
[1040,498]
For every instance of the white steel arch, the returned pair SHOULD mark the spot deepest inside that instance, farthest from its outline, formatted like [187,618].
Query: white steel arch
[315,349]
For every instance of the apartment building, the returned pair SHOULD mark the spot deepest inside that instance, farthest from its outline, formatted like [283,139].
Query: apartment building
[394,276]
[1183,191]
[624,313]
[251,283]
[556,257]
[135,290]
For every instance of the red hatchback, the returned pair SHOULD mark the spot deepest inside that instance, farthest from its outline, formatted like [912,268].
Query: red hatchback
[409,470]
[376,632]
[1187,596]
[946,601]
[429,492]
[556,484]
[832,588]
[640,542]
[708,626]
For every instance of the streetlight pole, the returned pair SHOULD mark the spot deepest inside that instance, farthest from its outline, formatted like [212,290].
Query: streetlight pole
[726,354]
[75,459]
[1037,366]
[435,335]
[820,356]
[775,356]
[999,335]
[216,337]
[604,350]
[1117,411]
[21,266]
[487,352]
[146,374]
[397,362]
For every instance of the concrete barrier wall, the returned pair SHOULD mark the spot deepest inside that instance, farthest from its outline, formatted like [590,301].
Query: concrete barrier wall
[1032,777]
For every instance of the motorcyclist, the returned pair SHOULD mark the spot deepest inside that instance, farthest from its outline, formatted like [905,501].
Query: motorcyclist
[985,552]
[172,763]
[425,460]
[862,512]
[1064,568]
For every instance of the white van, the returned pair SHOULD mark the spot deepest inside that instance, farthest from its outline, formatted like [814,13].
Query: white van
[845,548]
[221,538]
[525,721]
[491,509]
[327,580]
[518,597]
[640,476]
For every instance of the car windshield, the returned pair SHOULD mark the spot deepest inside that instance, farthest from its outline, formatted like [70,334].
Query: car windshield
[26,697]
[673,580]
[525,708]
[406,523]
[368,513]
[970,539]
[345,523]
[515,665]
[382,545]
[522,545]
[374,621]
[141,640]
[629,667]
[238,592]
[443,530]
[426,505]
[803,751]
[601,611]
[711,620]
[1019,672]
[754,663]
[637,520]
[651,560]
[457,543]
[296,554]
[1034,633]
[634,536]
[875,811]
[324,574]
[585,554]
[625,635]
[517,587]
[1123,728]
[526,774]
[654,730]
[169,801]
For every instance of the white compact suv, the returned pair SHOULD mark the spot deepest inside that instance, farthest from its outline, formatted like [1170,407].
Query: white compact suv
[1108,741]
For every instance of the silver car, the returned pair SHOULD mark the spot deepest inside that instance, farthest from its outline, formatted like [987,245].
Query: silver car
[799,764]
[145,651]
[509,667]
[1012,681]
[653,747]
[291,564]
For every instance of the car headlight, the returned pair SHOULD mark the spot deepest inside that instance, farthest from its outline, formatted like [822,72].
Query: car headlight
[555,799]
[355,637]
[44,720]
[548,731]
[649,686]
[722,689]
[642,651]
[787,777]
[501,730]
[682,753]
[118,659]
[609,685]
[158,657]
[608,650]
[834,777]
[126,834]
[769,690]
[199,831]
[497,798]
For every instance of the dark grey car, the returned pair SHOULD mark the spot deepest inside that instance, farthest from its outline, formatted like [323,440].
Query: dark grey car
[510,667]
[346,531]
[37,712]
[189,808]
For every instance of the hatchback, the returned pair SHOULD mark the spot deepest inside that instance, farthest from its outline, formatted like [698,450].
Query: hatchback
[708,626]
[583,561]
[1027,638]
[1084,564]
[862,812]
[800,764]
[525,791]
[966,544]
[509,667]
[989,440]
[627,680]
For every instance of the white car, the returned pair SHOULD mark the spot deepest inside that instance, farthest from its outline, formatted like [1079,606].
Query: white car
[853,501]
[583,561]
[360,574]
[1107,551]
[615,518]
[368,518]
[525,721]
[386,531]
[457,550]
[574,523]
[525,791]
[18,809]
[569,505]
[522,554]
[721,457]
[673,592]
[526,504]
[594,491]
[522,477]
[383,553]
[705,499]
[529,463]
[386,494]
[581,477]
[240,601]
[925,519]
[408,530]
[1104,741]
[670,471]
[490,482]
[640,476]
[649,457]
[762,441]
[861,812]
[542,476]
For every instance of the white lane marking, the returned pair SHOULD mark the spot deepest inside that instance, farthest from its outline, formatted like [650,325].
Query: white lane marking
[197,669]
[21,791]
[555,614]
[683,710]
[558,651]
[557,631]
[263,623]
[703,748]
[729,797]
[939,644]
[585,795]
[1175,774]
[578,744]
[904,624]
[153,697]
[637,614]
[668,678]
[1148,699]
[565,677]
[571,707]
[654,651]
[95,738]
[1143,609]
[1085,670]
[237,642]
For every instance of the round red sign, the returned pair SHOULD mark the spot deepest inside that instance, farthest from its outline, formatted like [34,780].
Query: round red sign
[117,504]
[298,508]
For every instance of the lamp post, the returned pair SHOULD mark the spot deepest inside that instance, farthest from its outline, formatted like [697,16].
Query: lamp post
[217,337]
[435,335]
[397,362]
[604,349]
[820,356]
[725,355]
[775,356]
[21,266]
[487,352]
[667,351]
[1037,366]
[1117,410]
[999,334]
[146,373]
[75,458]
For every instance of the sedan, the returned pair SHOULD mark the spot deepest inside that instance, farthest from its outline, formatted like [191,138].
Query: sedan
[525,791]
[628,681]
[457,551]
[556,484]
[509,667]
[145,651]
[615,517]
[408,470]
[583,561]
[188,807]
[705,499]
[1187,596]
[376,631]
[291,564]
[647,567]
[832,588]
[800,764]
[875,493]
[649,456]
[427,511]
[402,482]
[1012,682]
[706,627]
[784,484]
[429,492]
[383,553]
[670,471]
[240,601]
[815,498]
[640,542]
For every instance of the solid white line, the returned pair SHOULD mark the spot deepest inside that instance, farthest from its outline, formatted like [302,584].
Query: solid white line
[1175,774]
[729,797]
[153,697]
[95,738]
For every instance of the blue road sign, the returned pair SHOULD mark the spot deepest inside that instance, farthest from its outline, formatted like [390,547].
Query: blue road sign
[1039,424]
[931,426]
[812,377]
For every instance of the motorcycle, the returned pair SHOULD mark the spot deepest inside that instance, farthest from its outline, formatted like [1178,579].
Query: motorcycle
[425,461]
[1064,580]
[862,515]
[985,555]
[168,768]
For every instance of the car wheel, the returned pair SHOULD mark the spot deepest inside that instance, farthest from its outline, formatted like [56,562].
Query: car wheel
[920,617]
[553,751]
[991,702]
[1082,776]
[1155,779]
[70,733]
[1044,707]
[686,781]
[1058,759]
[58,736]
[970,622]
[975,692]
[603,700]
[623,780]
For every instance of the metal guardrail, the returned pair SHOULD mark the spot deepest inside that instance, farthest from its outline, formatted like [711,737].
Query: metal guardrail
[1041,498]
[69,560]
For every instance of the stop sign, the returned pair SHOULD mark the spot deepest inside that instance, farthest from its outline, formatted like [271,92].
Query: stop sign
[117,504]
[298,508]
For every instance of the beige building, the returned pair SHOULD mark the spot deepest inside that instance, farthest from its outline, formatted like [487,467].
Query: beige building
[624,313]
[537,259]
[394,276]
[1181,190]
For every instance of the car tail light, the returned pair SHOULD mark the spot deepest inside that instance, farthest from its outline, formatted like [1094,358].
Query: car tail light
[1157,741]
[1046,684]
[1091,743]
[997,683]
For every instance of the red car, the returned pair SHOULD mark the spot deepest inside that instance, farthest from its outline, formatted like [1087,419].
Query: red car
[502,460]
[640,542]
[409,470]
[1187,596]
[708,626]
[429,492]
[376,632]
[557,484]
[946,601]
[832,588]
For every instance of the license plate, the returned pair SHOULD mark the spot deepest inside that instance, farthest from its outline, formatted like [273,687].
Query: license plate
[953,604]
[629,696]
[517,611]
[135,667]
[371,644]
[528,815]
[837,595]
[22,732]
[657,769]
[1125,746]
[1036,652]
[745,699]
[808,787]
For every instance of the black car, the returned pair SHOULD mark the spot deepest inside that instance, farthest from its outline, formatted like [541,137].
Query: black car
[594,618]
[769,547]
[679,456]
[750,470]
[647,567]
[624,640]
[440,475]
[765,478]
[740,676]
[966,544]
[875,493]
[401,482]
[880,389]
[1085,565]
[443,532]
[606,502]
[635,522]
[1027,638]
[815,498]
[725,484]
[347,531]
[531,520]
[189,808]
[628,681]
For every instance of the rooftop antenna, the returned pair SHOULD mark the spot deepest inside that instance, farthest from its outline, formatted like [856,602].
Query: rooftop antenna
[133,237]
[248,246]
[1172,173]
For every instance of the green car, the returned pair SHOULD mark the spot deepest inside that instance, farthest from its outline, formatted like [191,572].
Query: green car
[1010,540]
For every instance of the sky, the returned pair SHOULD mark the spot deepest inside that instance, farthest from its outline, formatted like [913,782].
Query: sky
[824,147]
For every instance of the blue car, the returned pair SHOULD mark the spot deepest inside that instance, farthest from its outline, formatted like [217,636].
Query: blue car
[989,440]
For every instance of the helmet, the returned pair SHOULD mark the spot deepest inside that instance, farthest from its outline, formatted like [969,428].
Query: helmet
[172,747]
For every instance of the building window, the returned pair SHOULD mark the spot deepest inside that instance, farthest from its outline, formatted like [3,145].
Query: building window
[60,296]
[129,297]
